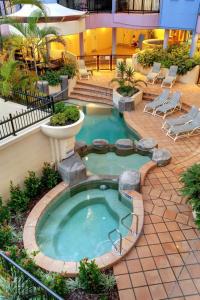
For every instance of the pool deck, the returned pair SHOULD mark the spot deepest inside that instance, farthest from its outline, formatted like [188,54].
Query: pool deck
[165,264]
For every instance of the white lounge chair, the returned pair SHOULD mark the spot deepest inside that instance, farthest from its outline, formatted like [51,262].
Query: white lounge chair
[159,100]
[181,119]
[169,107]
[83,72]
[153,74]
[188,129]
[170,78]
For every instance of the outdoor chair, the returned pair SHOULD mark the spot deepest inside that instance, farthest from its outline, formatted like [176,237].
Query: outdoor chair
[168,108]
[181,119]
[83,72]
[153,74]
[188,129]
[159,100]
[170,78]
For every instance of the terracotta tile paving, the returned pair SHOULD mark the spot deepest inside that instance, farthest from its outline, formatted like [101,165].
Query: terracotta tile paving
[165,264]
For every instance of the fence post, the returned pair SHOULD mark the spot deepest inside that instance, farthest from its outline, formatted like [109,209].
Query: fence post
[97,62]
[52,104]
[12,124]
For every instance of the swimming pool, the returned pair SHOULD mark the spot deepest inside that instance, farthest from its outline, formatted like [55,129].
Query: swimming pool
[77,223]
[102,122]
[113,164]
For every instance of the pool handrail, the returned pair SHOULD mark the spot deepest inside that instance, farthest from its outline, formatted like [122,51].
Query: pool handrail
[127,227]
[113,243]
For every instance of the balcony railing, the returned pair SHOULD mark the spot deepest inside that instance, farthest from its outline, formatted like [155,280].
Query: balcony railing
[100,6]
[144,6]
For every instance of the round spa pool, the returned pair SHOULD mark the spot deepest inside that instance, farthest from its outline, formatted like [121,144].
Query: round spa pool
[76,224]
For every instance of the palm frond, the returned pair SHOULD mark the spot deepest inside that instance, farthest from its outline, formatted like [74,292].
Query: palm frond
[36,3]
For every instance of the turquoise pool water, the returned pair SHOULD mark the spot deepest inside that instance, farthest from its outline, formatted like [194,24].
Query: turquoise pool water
[77,226]
[112,164]
[102,122]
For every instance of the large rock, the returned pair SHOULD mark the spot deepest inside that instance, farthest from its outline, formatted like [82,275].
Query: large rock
[161,156]
[146,144]
[124,146]
[129,180]
[81,147]
[100,145]
[72,169]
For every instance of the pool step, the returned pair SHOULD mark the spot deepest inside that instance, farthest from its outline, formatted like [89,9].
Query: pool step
[92,93]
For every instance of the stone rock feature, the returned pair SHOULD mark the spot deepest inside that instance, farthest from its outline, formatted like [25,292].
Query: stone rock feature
[147,144]
[124,146]
[126,104]
[129,180]
[100,145]
[72,169]
[81,148]
[161,156]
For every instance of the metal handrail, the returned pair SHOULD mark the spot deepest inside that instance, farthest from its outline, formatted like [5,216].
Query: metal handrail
[120,240]
[127,227]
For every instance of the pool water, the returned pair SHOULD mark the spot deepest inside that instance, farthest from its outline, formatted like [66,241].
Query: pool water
[113,164]
[102,122]
[77,226]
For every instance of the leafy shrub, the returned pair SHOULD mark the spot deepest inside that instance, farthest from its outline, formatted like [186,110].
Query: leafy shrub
[174,55]
[4,213]
[60,107]
[68,116]
[18,199]
[53,77]
[50,176]
[191,189]
[6,236]
[69,69]
[32,185]
[90,276]
[108,282]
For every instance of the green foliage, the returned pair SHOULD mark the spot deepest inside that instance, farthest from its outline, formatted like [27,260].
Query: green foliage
[90,276]
[191,189]
[6,236]
[18,199]
[69,115]
[174,55]
[32,185]
[60,107]
[73,284]
[53,77]
[108,282]
[50,176]
[4,213]
[127,83]
[69,69]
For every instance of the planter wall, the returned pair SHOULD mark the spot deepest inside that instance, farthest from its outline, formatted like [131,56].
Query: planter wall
[126,103]
[71,84]
[62,138]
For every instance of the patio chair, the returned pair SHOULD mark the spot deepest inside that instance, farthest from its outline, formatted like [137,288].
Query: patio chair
[129,62]
[153,74]
[168,108]
[188,129]
[83,72]
[182,119]
[170,78]
[159,100]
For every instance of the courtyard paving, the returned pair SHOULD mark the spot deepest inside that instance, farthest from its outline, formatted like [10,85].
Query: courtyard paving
[165,264]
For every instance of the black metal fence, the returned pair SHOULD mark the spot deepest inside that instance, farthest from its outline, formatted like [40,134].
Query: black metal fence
[103,62]
[37,110]
[21,284]
[97,6]
[144,6]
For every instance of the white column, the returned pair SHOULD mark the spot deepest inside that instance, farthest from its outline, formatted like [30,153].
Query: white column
[81,44]
[193,44]
[113,6]
[166,38]
[114,38]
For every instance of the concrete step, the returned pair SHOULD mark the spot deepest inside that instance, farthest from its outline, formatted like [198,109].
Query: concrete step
[91,99]
[92,86]
[95,93]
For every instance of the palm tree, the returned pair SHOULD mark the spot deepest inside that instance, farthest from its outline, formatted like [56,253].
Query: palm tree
[126,81]
[34,37]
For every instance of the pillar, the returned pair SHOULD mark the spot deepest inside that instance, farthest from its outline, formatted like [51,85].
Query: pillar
[43,86]
[113,6]
[114,38]
[166,38]
[193,44]
[81,44]
[64,86]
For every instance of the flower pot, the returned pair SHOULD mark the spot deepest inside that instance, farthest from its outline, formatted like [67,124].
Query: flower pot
[126,103]
[62,138]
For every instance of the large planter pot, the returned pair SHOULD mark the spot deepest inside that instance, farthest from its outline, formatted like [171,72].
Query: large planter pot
[190,77]
[62,138]
[126,103]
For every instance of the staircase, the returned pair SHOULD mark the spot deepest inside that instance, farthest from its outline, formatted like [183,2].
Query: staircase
[92,93]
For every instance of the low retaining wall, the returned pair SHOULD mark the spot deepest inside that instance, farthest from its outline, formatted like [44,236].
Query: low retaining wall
[23,153]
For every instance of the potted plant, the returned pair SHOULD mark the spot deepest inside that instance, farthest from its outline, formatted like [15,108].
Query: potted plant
[62,128]
[127,95]
[191,189]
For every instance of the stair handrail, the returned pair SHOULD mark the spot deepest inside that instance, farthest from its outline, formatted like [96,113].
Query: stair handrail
[127,227]
[113,243]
